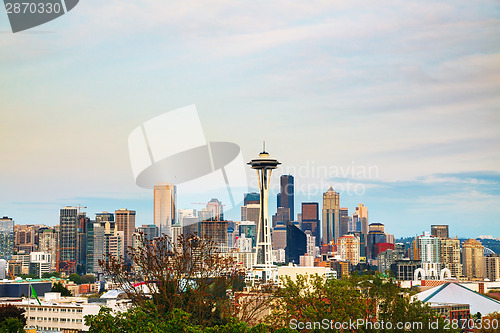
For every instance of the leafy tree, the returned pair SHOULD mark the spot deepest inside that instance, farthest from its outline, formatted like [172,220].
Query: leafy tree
[28,276]
[12,325]
[190,275]
[75,278]
[367,298]
[11,311]
[87,278]
[59,288]
[149,319]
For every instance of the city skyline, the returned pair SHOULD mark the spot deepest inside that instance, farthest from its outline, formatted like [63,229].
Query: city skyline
[397,100]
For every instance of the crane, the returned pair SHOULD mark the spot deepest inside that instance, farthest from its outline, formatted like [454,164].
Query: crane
[80,207]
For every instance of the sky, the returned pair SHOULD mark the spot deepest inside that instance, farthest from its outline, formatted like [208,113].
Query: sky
[393,103]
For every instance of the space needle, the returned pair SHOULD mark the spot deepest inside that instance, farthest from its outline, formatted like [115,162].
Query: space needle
[263,263]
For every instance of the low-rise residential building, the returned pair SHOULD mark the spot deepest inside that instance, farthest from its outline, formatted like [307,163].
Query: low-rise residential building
[56,313]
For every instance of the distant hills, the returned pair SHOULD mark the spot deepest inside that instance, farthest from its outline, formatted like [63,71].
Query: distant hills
[492,244]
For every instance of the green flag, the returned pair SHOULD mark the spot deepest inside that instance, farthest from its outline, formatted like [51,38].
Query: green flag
[33,292]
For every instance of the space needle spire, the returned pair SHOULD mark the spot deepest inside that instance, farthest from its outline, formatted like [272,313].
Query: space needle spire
[263,263]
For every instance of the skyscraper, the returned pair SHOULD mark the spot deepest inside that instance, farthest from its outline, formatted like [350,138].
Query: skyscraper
[6,238]
[217,209]
[331,216]
[296,243]
[450,255]
[440,231]
[114,244]
[281,217]
[149,231]
[106,220]
[310,219]
[249,229]
[24,238]
[96,241]
[165,202]
[375,236]
[68,239]
[187,216]
[362,243]
[81,252]
[312,248]
[286,198]
[216,231]
[263,263]
[250,212]
[344,221]
[125,221]
[473,259]
[428,248]
[47,243]
[362,213]
[251,198]
[492,267]
[349,249]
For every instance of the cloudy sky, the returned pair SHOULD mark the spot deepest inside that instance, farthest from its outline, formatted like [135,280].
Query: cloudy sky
[398,101]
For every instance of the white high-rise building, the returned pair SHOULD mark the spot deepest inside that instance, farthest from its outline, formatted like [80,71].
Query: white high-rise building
[188,214]
[311,244]
[244,244]
[165,202]
[40,263]
[428,248]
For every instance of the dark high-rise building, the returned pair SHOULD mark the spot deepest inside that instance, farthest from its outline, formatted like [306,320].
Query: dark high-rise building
[216,231]
[251,198]
[374,237]
[281,217]
[68,239]
[344,221]
[125,221]
[251,212]
[6,238]
[310,219]
[286,198]
[440,231]
[107,220]
[405,269]
[89,267]
[81,254]
[296,243]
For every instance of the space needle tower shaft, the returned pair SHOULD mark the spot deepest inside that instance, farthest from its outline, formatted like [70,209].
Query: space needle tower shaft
[264,165]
